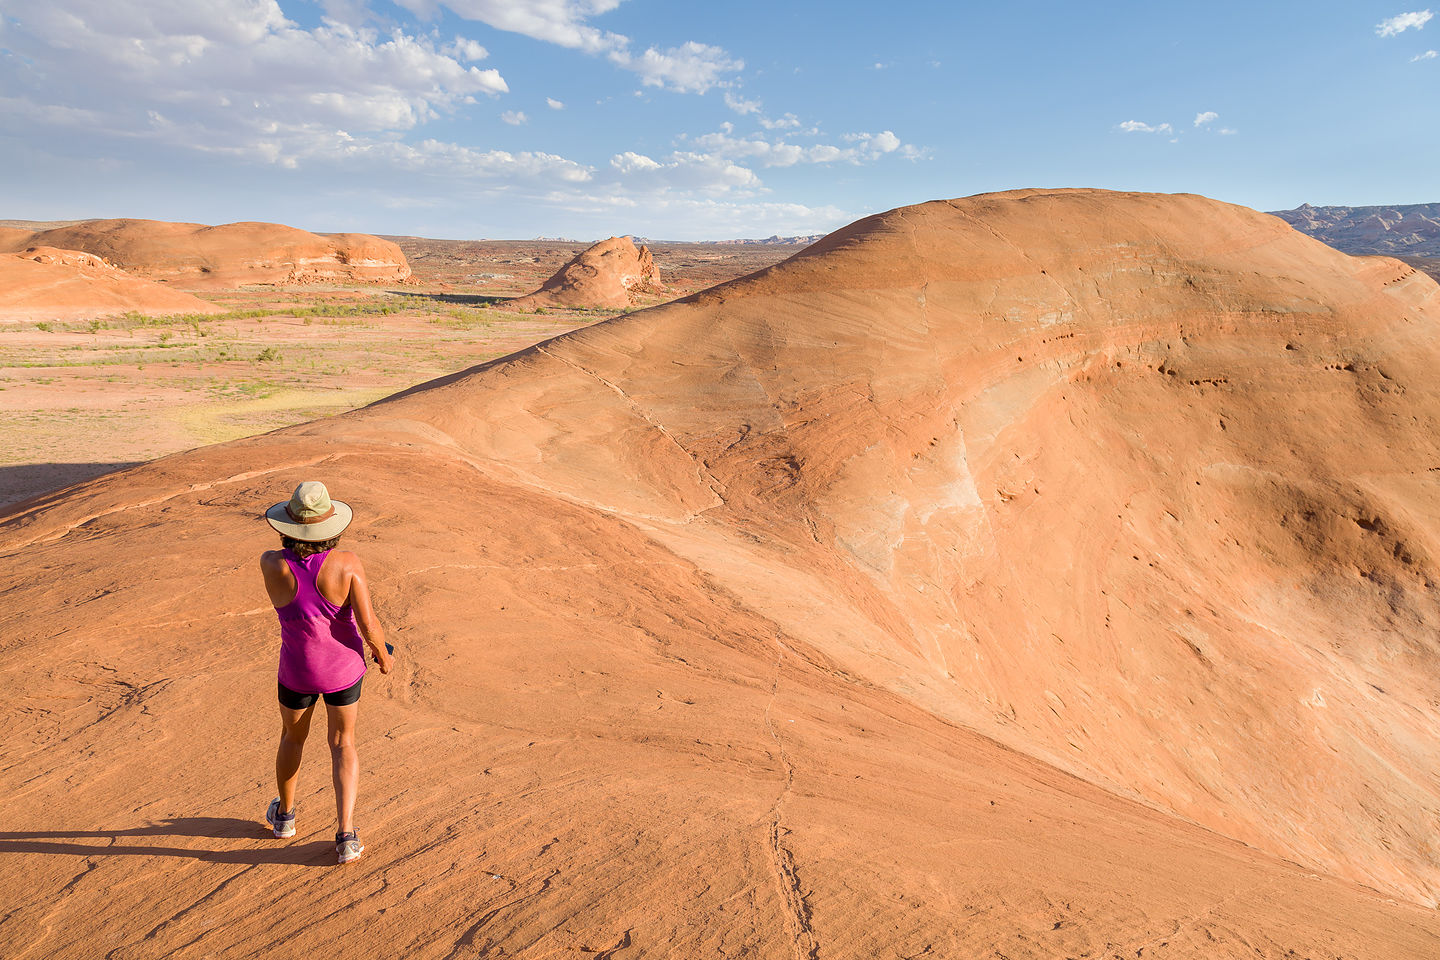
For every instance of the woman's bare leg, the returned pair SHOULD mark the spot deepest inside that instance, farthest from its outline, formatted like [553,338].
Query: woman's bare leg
[344,761]
[295,727]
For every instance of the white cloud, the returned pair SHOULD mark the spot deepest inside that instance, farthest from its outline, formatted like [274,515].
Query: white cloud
[629,162]
[874,144]
[701,173]
[1136,126]
[236,79]
[1227,132]
[1400,23]
[741,106]
[1427,55]
[864,147]
[561,22]
[516,118]
[675,216]
[1208,116]
[687,195]
[465,163]
[787,122]
[231,76]
[352,12]
[52,115]
[353,108]
[689,68]
[466,49]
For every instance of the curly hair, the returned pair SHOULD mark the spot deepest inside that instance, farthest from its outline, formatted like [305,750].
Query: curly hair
[305,548]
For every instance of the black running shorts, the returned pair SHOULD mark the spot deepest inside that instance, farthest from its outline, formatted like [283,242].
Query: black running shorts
[291,700]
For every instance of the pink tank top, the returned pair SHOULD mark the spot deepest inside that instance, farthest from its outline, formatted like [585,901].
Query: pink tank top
[321,650]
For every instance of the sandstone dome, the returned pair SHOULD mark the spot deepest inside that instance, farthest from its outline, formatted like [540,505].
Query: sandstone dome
[611,273]
[1046,574]
[229,255]
[46,283]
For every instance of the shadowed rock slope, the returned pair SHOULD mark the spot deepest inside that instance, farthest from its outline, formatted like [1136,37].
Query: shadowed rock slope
[196,256]
[971,584]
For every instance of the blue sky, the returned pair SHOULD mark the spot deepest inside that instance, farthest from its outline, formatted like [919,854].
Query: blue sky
[678,120]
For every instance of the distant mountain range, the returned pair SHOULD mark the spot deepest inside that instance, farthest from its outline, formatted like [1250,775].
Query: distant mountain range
[772,241]
[638,240]
[776,241]
[1412,230]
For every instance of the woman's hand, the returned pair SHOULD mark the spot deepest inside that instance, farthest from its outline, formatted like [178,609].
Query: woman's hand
[382,658]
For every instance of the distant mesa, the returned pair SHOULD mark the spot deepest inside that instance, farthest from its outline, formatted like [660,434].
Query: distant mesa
[612,273]
[48,283]
[196,256]
[1411,230]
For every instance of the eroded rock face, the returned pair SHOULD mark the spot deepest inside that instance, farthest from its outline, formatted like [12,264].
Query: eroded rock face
[47,283]
[1139,486]
[229,255]
[612,273]
[69,258]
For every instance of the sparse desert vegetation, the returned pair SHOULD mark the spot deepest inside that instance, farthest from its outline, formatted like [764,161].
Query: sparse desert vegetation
[81,396]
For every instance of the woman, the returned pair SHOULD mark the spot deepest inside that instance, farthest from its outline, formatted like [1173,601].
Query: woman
[324,607]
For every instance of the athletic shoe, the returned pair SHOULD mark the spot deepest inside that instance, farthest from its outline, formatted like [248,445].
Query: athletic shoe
[282,823]
[347,847]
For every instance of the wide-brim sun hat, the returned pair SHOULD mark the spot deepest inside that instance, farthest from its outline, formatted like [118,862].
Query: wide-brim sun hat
[310,514]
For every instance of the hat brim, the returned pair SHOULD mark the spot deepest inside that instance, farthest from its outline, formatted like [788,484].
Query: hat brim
[279,518]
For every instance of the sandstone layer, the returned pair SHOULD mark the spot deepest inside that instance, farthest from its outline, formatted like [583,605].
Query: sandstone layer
[45,283]
[1035,575]
[612,273]
[197,256]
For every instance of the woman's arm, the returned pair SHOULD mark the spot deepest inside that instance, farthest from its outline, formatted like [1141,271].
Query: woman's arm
[359,600]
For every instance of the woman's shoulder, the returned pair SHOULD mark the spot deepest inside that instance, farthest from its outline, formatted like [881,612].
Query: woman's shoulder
[343,560]
[339,573]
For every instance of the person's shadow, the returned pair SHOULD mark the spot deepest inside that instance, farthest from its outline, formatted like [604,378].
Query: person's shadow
[266,849]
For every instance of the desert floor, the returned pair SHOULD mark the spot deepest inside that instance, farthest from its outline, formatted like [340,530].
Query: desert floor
[79,399]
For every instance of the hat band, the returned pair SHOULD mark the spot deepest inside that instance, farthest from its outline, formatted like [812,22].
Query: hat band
[308,520]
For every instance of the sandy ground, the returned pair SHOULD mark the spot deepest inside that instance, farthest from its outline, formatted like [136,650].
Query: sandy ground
[80,398]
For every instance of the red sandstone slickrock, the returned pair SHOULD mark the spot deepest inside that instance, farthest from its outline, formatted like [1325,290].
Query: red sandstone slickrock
[1042,574]
[196,256]
[46,283]
[611,273]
